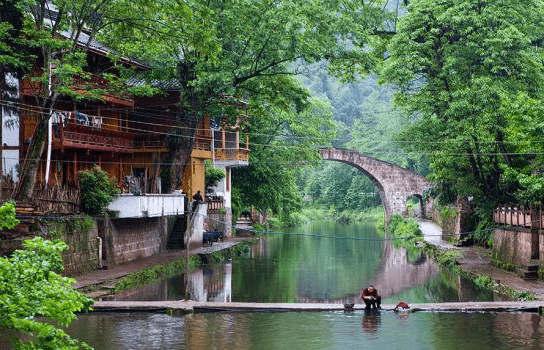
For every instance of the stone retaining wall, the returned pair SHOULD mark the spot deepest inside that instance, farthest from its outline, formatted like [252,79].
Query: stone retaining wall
[513,245]
[81,236]
[126,240]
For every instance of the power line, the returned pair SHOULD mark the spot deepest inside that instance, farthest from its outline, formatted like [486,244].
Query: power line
[33,108]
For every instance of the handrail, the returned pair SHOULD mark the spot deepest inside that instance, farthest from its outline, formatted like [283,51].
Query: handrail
[519,215]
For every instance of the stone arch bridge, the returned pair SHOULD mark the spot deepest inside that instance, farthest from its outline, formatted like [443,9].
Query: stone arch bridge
[394,184]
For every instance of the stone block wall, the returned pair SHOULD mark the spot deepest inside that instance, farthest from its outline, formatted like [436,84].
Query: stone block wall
[81,236]
[513,245]
[456,224]
[126,240]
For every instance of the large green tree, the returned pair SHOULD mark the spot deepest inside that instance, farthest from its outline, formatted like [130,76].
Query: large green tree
[283,138]
[243,49]
[456,63]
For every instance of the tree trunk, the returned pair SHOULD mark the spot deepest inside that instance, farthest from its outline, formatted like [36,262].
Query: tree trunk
[181,152]
[193,104]
[29,169]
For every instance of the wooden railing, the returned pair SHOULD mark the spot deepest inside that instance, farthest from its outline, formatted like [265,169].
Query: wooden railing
[53,199]
[232,154]
[214,204]
[514,215]
[77,130]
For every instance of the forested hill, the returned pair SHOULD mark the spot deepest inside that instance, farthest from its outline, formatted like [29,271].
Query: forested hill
[367,122]
[351,101]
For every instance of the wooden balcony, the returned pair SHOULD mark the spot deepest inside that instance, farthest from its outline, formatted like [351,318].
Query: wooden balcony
[73,130]
[98,140]
[229,154]
[229,150]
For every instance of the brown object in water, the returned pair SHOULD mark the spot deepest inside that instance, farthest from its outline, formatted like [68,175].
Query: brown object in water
[401,305]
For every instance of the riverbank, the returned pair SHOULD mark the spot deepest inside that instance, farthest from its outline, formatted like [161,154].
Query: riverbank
[476,260]
[97,283]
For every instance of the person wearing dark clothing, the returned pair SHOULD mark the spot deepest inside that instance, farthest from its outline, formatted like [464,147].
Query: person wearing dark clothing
[371,298]
[197,199]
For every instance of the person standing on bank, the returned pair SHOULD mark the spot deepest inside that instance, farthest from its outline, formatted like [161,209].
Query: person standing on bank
[197,199]
[371,298]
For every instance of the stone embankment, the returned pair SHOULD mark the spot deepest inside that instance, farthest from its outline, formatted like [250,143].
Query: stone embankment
[477,260]
[113,273]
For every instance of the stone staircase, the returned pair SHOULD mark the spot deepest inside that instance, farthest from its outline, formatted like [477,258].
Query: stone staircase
[244,226]
[529,271]
[177,235]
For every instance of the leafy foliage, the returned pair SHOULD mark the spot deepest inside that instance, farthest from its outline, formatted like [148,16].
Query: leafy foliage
[213,175]
[97,190]
[7,216]
[30,287]
[459,67]
[283,139]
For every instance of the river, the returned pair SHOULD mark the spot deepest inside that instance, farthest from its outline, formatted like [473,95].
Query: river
[319,262]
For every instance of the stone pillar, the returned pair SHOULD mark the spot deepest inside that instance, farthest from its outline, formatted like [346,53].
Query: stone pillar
[535,228]
[228,222]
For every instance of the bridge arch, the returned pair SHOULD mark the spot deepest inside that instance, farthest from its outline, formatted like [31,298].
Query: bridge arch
[394,184]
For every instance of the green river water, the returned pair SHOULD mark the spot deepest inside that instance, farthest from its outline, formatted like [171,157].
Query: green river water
[321,262]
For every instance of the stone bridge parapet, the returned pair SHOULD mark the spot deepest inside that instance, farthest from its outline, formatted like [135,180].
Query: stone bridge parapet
[394,184]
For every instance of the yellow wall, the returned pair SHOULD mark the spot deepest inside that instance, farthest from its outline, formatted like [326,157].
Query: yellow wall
[194,175]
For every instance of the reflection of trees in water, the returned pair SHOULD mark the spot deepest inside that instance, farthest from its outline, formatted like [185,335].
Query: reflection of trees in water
[402,270]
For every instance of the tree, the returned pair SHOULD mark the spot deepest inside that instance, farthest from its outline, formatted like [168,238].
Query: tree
[46,42]
[31,288]
[282,140]
[244,49]
[454,64]
[524,176]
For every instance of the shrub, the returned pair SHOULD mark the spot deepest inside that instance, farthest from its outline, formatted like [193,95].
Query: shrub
[35,298]
[213,175]
[7,216]
[97,190]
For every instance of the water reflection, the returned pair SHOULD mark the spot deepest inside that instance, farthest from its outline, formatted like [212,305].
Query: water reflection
[319,263]
[211,284]
[312,330]
[371,322]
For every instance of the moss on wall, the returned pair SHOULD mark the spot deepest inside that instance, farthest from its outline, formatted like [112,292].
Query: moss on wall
[80,234]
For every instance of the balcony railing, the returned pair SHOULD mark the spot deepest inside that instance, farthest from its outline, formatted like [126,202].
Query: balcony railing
[240,154]
[78,130]
[518,216]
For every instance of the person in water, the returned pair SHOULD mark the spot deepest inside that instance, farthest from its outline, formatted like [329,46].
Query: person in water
[371,298]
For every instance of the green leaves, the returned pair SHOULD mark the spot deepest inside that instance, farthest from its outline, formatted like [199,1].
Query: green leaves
[455,62]
[30,287]
[97,190]
[7,216]
[213,175]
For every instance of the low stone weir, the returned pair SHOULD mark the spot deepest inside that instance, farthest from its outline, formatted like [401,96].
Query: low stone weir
[199,307]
